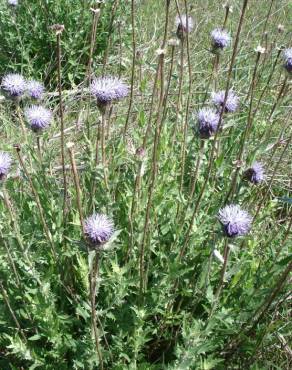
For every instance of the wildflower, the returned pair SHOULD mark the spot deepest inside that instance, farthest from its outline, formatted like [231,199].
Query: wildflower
[108,89]
[98,228]
[12,2]
[255,173]
[5,163]
[38,117]
[288,59]
[220,38]
[184,25]
[35,89]
[13,85]
[231,102]
[208,121]
[235,221]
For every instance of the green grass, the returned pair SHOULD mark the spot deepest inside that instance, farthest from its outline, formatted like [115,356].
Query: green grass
[45,309]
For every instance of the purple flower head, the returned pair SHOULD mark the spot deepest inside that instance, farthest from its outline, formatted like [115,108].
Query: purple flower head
[231,102]
[13,85]
[184,25]
[288,59]
[38,117]
[108,89]
[35,89]
[208,121]
[12,2]
[220,38]
[5,163]
[98,229]
[256,173]
[235,221]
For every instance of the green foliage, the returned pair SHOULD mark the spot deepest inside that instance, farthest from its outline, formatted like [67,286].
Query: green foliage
[176,323]
[29,46]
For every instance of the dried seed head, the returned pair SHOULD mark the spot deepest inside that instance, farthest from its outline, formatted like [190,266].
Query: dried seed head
[173,42]
[57,28]
[160,51]
[140,153]
[259,49]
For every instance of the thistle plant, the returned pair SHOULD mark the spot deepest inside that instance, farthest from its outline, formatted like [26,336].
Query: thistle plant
[184,24]
[58,30]
[220,39]
[98,229]
[231,103]
[38,117]
[5,164]
[255,174]
[12,3]
[35,89]
[13,86]
[192,164]
[287,56]
[106,90]
[235,222]
[208,120]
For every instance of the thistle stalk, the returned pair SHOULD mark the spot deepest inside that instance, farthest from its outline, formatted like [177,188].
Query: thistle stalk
[58,29]
[133,65]
[211,162]
[154,164]
[246,131]
[38,203]
[222,276]
[183,149]
[259,314]
[7,302]
[70,147]
[93,274]
[93,278]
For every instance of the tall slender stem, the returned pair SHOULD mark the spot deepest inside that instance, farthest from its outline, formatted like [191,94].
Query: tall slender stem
[186,121]
[77,185]
[133,65]
[6,299]
[154,164]
[246,131]
[59,29]
[222,276]
[211,162]
[93,278]
[38,202]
